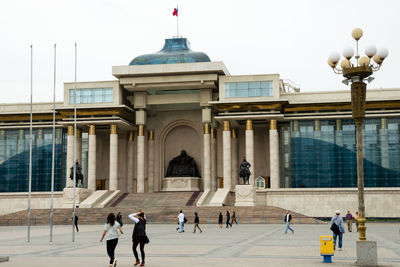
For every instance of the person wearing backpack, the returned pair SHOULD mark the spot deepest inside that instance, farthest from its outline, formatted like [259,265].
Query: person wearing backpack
[337,227]
[181,220]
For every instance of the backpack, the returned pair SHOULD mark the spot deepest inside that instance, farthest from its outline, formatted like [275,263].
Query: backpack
[184,220]
[335,229]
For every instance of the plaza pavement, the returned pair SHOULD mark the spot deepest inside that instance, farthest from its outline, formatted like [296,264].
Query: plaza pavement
[241,245]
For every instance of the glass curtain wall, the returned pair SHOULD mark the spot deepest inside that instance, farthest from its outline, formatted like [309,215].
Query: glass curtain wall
[322,153]
[14,160]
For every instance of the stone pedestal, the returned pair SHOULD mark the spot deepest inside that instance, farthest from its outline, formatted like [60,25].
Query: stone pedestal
[80,195]
[367,253]
[245,196]
[181,184]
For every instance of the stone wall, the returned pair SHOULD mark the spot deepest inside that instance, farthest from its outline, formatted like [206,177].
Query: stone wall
[321,202]
[13,202]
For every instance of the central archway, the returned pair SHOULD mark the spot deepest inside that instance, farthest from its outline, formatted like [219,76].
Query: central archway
[177,136]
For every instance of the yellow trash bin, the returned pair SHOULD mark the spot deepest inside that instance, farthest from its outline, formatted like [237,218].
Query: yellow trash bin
[326,243]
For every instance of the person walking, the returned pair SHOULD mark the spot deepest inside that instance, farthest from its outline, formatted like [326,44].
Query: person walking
[181,220]
[119,219]
[111,233]
[139,236]
[220,218]
[356,219]
[288,219]
[228,219]
[233,218]
[196,223]
[76,223]
[337,227]
[349,221]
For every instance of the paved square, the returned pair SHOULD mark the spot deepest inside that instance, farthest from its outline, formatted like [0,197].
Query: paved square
[241,245]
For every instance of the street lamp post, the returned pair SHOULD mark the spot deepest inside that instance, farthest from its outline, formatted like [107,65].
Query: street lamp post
[357,73]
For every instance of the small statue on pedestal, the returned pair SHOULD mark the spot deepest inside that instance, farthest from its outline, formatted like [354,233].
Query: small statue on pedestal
[245,171]
[79,175]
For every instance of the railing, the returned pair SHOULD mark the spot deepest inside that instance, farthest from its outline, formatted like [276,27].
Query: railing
[158,219]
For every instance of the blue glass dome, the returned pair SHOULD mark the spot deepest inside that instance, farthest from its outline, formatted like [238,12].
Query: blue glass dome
[176,50]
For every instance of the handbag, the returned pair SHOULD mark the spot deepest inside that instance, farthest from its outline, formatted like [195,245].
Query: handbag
[147,240]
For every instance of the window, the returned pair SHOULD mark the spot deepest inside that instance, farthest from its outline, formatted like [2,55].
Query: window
[91,95]
[248,89]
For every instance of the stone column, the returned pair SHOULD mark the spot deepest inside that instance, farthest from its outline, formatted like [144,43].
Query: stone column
[92,158]
[235,159]
[207,157]
[21,142]
[150,165]
[338,133]
[274,154]
[70,156]
[250,149]
[226,139]
[384,141]
[140,160]
[213,160]
[79,146]
[131,153]
[113,184]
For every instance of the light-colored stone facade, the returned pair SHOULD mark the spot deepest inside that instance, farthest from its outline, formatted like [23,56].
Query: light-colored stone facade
[175,103]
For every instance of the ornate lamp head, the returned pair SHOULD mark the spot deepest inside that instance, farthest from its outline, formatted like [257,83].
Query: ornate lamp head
[354,67]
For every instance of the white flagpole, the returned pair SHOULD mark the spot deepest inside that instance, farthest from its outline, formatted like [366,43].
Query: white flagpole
[53,149]
[74,192]
[177,23]
[30,155]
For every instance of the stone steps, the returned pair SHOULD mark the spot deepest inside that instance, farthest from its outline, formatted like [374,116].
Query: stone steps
[159,208]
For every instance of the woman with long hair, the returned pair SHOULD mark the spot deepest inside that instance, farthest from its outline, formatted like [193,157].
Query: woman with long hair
[111,233]
[139,235]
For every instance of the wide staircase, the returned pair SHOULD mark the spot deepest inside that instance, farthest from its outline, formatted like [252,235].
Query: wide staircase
[162,207]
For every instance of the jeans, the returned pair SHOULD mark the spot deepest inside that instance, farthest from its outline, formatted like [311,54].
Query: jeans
[288,228]
[340,239]
[111,244]
[181,225]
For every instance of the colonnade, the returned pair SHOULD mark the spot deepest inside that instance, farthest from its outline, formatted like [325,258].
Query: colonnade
[229,154]
[113,162]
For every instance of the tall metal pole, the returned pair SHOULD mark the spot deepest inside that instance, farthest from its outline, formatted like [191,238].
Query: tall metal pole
[30,155]
[74,191]
[53,149]
[358,100]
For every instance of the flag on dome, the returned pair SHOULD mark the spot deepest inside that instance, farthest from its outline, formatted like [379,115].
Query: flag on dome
[175,13]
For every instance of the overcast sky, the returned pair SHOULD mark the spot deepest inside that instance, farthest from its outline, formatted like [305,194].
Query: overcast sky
[292,38]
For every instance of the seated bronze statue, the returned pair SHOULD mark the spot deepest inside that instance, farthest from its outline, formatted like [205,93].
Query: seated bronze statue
[182,166]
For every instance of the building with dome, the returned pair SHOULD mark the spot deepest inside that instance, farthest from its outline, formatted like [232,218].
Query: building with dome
[301,145]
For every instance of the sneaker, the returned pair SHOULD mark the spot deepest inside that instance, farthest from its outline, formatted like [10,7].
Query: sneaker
[114,263]
[142,264]
[136,263]
[340,249]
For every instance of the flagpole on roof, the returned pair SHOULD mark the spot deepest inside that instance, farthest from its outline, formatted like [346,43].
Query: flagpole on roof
[177,23]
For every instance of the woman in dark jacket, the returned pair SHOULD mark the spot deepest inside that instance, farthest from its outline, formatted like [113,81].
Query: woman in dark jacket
[139,235]
[220,218]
